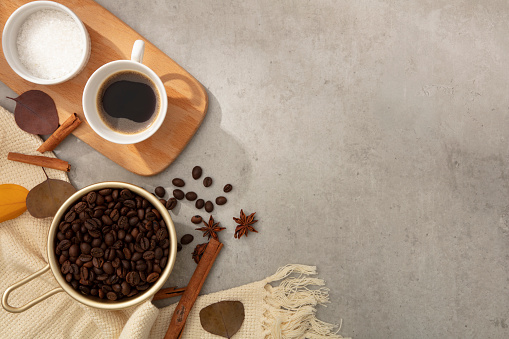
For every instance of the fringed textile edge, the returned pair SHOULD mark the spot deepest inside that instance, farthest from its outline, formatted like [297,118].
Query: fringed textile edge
[290,307]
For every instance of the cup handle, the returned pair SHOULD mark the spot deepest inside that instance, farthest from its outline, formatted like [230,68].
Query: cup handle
[37,300]
[138,51]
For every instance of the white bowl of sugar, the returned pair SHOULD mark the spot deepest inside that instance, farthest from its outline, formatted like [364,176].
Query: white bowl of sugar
[44,42]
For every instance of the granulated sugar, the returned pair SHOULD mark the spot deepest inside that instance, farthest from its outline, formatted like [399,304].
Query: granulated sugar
[50,44]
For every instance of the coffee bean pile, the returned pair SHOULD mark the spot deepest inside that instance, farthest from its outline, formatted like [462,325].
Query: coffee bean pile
[112,244]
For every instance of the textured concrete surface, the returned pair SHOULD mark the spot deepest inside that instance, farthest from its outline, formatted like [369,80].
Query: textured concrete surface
[371,138]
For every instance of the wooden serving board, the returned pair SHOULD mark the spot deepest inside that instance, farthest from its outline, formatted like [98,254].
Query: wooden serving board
[112,40]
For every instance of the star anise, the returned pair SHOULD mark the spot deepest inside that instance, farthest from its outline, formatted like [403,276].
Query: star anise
[211,229]
[245,224]
[198,252]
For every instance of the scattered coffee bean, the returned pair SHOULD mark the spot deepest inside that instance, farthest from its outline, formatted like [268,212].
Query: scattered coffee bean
[221,200]
[191,196]
[227,188]
[178,182]
[160,191]
[114,247]
[197,171]
[199,203]
[171,203]
[207,182]
[186,239]
[178,194]
[196,219]
[209,206]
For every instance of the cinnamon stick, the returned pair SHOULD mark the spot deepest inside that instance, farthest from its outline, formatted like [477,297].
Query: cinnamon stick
[192,290]
[61,133]
[169,292]
[40,161]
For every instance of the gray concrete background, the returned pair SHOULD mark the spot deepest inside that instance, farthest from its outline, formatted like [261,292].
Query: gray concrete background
[371,138]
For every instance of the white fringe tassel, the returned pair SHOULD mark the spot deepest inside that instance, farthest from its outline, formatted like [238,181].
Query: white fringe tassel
[290,307]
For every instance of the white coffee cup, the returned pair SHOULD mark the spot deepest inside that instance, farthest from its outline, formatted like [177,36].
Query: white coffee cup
[94,84]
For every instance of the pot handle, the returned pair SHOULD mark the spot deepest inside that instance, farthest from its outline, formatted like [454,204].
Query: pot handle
[37,300]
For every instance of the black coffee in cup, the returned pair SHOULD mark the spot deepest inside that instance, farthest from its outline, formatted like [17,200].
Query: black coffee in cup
[128,102]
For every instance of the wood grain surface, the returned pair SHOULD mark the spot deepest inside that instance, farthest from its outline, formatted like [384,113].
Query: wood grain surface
[112,40]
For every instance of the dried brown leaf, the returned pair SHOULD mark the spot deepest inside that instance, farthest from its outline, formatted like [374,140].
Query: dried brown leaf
[36,112]
[45,199]
[223,318]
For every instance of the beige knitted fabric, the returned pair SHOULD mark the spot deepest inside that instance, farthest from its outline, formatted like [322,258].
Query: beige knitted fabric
[285,311]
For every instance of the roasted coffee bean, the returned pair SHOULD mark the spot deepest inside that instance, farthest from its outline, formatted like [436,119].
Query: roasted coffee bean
[126,194]
[116,263]
[199,203]
[142,287]
[84,290]
[125,210]
[98,262]
[152,277]
[117,244]
[178,194]
[123,222]
[91,198]
[191,196]
[64,244]
[156,212]
[178,182]
[130,203]
[111,296]
[136,256]
[66,267]
[141,266]
[133,278]
[80,207]
[106,220]
[221,200]
[133,221]
[207,182]
[84,273]
[94,233]
[171,203]
[125,288]
[165,243]
[97,252]
[85,257]
[108,268]
[209,206]
[227,188]
[69,217]
[186,239]
[160,191]
[158,253]
[109,239]
[196,219]
[115,215]
[74,250]
[163,262]
[116,288]
[145,243]
[161,234]
[105,191]
[74,269]
[196,172]
[148,255]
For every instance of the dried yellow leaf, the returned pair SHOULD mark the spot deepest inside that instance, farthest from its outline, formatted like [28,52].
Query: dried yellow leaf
[12,201]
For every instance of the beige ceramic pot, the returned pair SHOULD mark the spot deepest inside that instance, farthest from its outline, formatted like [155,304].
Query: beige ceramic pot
[55,267]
